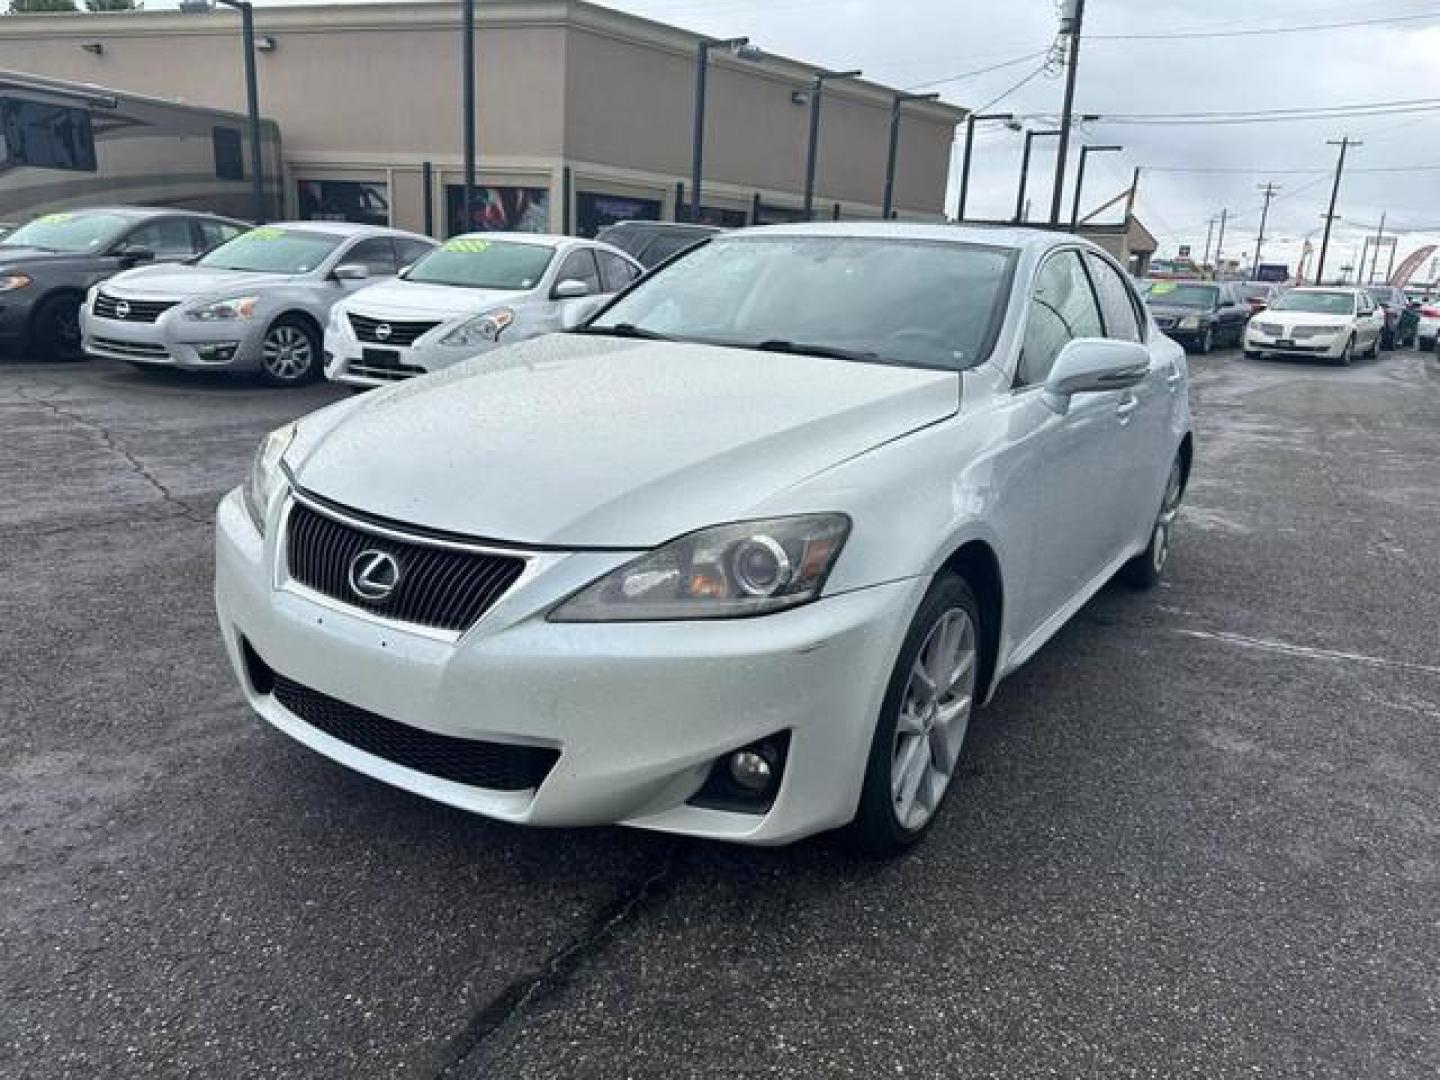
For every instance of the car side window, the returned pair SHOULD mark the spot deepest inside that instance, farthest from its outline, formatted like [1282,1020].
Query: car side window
[580,265]
[215,233]
[168,238]
[376,254]
[1116,304]
[1062,307]
[411,251]
[615,271]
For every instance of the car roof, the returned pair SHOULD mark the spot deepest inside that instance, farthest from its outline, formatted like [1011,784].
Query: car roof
[347,228]
[664,226]
[139,213]
[1014,237]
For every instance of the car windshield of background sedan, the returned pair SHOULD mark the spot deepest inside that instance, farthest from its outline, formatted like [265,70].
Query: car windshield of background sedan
[273,251]
[69,232]
[1322,303]
[917,303]
[1170,294]
[470,263]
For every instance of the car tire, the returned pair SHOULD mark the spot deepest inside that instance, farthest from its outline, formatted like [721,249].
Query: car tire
[1145,570]
[1387,341]
[55,328]
[1252,354]
[918,721]
[1348,353]
[290,352]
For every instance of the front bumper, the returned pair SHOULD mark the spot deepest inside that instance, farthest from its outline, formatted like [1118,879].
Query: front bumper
[174,341]
[638,711]
[1329,347]
[361,363]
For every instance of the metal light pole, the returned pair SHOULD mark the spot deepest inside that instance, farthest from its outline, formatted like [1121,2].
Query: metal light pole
[1085,151]
[970,122]
[252,92]
[467,84]
[739,47]
[1070,25]
[1030,137]
[812,148]
[888,200]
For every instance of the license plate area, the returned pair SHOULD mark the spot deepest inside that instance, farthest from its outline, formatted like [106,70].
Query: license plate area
[381,358]
[1285,342]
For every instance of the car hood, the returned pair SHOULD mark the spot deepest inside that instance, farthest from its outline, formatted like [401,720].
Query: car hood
[576,441]
[1307,318]
[29,256]
[392,299]
[174,280]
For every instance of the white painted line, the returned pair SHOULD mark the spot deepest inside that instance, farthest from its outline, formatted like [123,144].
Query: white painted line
[1306,652]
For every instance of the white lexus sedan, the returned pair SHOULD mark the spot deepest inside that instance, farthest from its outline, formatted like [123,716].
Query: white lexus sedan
[472,294]
[738,558]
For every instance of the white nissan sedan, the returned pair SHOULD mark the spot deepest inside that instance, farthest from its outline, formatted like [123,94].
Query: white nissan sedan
[739,557]
[472,294]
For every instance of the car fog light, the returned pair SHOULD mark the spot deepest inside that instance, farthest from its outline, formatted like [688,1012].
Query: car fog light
[750,770]
[218,353]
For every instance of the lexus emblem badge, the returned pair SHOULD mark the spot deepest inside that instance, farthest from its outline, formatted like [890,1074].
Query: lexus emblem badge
[374,575]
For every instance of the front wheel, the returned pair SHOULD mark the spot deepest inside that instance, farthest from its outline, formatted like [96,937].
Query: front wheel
[287,355]
[1348,353]
[55,330]
[1145,570]
[923,721]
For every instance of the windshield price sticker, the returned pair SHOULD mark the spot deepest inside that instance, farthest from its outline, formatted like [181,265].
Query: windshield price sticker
[469,247]
[267,232]
[1160,288]
[55,219]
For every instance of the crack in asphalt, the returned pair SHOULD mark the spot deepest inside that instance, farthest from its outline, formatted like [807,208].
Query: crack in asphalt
[561,967]
[110,443]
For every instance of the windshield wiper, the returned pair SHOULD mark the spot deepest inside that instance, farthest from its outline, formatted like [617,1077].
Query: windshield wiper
[625,330]
[805,348]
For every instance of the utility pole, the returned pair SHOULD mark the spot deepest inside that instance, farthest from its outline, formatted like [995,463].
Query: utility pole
[1269,190]
[1209,233]
[1220,243]
[1375,258]
[1071,21]
[1344,144]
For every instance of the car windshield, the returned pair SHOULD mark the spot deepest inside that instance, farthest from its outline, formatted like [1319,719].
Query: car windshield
[474,262]
[1324,303]
[1176,294]
[915,302]
[70,232]
[273,250]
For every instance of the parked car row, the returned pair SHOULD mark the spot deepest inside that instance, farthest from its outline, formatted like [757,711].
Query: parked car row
[363,304]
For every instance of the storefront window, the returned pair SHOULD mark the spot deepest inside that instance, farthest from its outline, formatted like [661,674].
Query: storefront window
[497,209]
[714,215]
[345,200]
[596,211]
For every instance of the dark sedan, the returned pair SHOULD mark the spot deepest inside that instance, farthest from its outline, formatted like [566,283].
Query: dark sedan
[652,242]
[47,264]
[1198,314]
[1402,318]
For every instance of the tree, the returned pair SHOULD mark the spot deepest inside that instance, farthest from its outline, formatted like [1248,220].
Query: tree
[113,5]
[21,7]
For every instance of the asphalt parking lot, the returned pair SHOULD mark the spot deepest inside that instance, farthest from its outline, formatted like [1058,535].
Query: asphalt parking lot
[1197,836]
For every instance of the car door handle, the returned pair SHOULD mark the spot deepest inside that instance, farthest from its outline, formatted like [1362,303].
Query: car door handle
[1128,404]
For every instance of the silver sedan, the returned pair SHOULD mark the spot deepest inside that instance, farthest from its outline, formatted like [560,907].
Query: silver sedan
[258,302]
[474,293]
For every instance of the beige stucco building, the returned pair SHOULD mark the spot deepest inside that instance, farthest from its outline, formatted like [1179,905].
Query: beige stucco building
[584,114]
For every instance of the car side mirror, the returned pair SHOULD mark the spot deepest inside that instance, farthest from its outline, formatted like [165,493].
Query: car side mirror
[1093,365]
[351,272]
[570,289]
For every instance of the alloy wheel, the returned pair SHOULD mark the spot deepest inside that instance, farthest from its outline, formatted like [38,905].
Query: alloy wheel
[287,353]
[1165,522]
[934,715]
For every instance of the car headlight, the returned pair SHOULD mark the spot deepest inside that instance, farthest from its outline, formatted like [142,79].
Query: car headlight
[748,568]
[265,475]
[236,307]
[11,282]
[480,330]
[1190,322]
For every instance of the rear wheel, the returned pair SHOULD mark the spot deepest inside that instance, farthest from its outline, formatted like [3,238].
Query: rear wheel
[288,353]
[1145,570]
[55,330]
[922,724]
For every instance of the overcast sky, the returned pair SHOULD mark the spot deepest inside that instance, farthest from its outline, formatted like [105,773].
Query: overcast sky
[909,42]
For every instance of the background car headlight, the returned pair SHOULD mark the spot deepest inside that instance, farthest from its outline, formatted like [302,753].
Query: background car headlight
[11,282]
[1190,322]
[480,330]
[236,307]
[748,568]
[265,473]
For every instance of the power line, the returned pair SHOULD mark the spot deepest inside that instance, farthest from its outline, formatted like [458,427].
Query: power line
[1259,31]
[978,71]
[1268,118]
[1028,78]
[1319,170]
